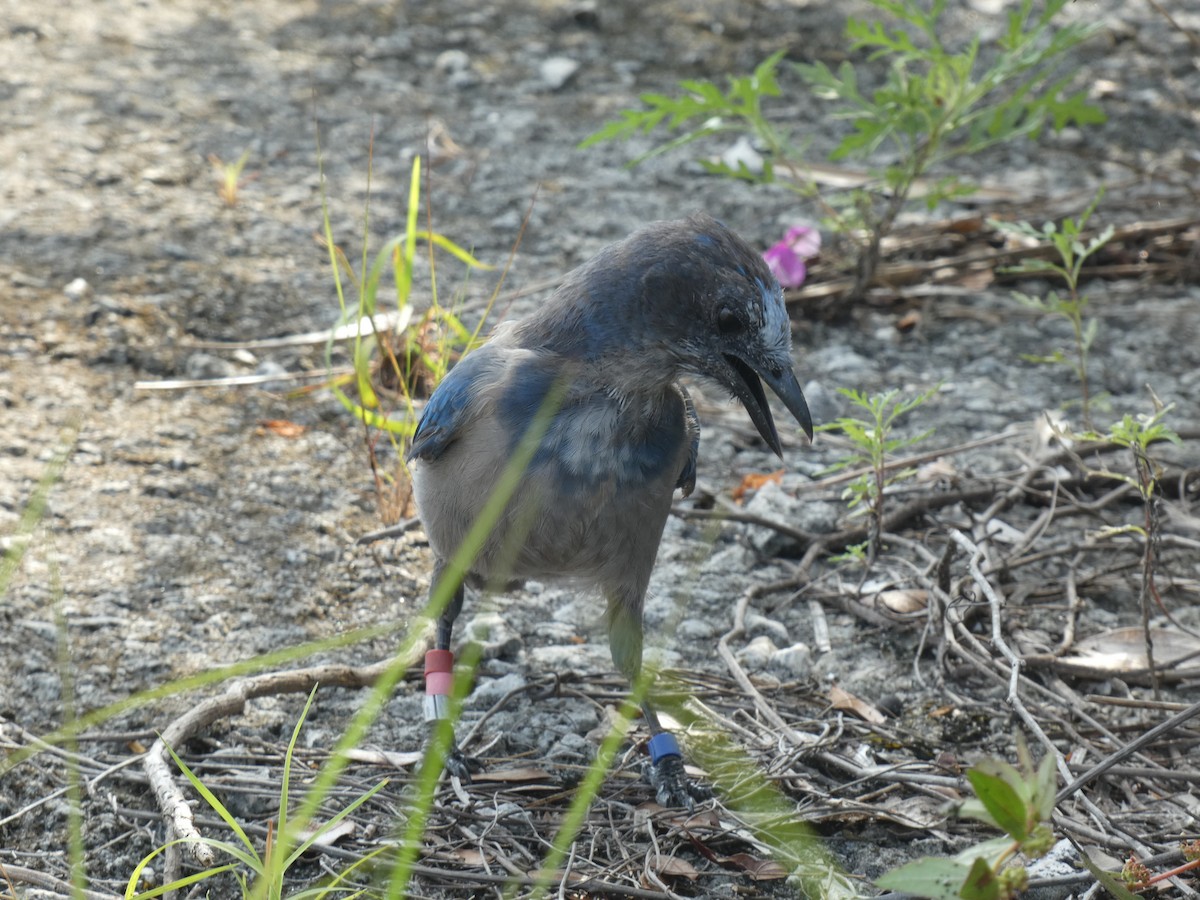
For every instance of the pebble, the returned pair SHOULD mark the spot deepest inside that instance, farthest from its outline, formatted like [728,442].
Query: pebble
[572,747]
[757,654]
[448,62]
[203,366]
[77,289]
[795,660]
[756,623]
[695,630]
[272,368]
[824,404]
[1062,861]
[492,631]
[456,66]
[556,71]
[817,516]
[489,690]
[773,503]
[573,657]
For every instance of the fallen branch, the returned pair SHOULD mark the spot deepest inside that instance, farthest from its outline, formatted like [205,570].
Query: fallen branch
[171,801]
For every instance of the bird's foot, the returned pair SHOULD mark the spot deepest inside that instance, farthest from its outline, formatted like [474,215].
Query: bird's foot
[440,742]
[453,760]
[672,787]
[460,766]
[666,775]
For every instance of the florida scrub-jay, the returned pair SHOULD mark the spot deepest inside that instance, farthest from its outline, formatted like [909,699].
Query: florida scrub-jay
[618,438]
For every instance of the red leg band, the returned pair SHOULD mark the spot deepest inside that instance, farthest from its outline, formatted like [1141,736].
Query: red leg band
[439,672]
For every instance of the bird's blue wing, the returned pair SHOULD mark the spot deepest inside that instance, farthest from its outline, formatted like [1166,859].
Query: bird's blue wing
[448,409]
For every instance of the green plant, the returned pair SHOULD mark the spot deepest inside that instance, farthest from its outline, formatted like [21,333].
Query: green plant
[35,509]
[281,850]
[229,176]
[871,436]
[10,563]
[738,109]
[1137,433]
[1067,240]
[1138,876]
[1017,800]
[934,106]
[434,344]
[858,554]
[394,354]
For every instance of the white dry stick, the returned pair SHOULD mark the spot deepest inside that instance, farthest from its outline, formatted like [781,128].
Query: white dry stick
[998,641]
[1014,697]
[739,674]
[171,801]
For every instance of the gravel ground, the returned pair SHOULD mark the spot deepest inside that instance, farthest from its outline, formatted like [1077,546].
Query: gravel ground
[186,532]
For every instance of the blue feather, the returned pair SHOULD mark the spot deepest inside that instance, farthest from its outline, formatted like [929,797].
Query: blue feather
[444,414]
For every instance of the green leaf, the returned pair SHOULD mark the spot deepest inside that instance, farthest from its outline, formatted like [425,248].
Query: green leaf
[131,891]
[211,799]
[995,783]
[981,882]
[1074,109]
[971,808]
[1044,792]
[933,877]
[764,82]
[994,850]
[1112,883]
[1028,300]
[1039,842]
[741,172]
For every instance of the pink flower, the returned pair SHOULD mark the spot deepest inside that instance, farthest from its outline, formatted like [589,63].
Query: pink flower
[786,259]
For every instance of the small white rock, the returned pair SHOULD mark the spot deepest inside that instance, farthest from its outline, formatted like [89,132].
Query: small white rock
[774,504]
[205,366]
[489,690]
[78,289]
[742,153]
[451,61]
[695,630]
[756,623]
[757,654]
[556,71]
[270,367]
[796,660]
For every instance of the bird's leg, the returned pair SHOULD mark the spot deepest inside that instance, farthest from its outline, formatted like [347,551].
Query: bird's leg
[439,680]
[665,773]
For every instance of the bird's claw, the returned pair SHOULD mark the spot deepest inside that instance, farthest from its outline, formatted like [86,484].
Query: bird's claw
[460,766]
[454,761]
[672,788]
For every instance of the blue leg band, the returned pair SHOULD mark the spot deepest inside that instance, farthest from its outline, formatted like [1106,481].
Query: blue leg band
[662,745]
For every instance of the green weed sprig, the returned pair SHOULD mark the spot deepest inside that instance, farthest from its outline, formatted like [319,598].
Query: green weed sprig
[872,438]
[1067,241]
[277,856]
[935,105]
[1017,800]
[229,176]
[406,357]
[1137,434]
[434,348]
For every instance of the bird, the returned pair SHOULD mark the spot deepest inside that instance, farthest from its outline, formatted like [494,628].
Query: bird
[591,383]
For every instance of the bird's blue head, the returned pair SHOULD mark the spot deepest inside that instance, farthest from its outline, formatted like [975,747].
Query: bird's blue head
[719,312]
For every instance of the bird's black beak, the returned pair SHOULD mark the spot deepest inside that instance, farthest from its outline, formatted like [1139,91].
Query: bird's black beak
[782,382]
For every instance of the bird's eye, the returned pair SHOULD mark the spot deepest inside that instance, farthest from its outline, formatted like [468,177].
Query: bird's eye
[728,321]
